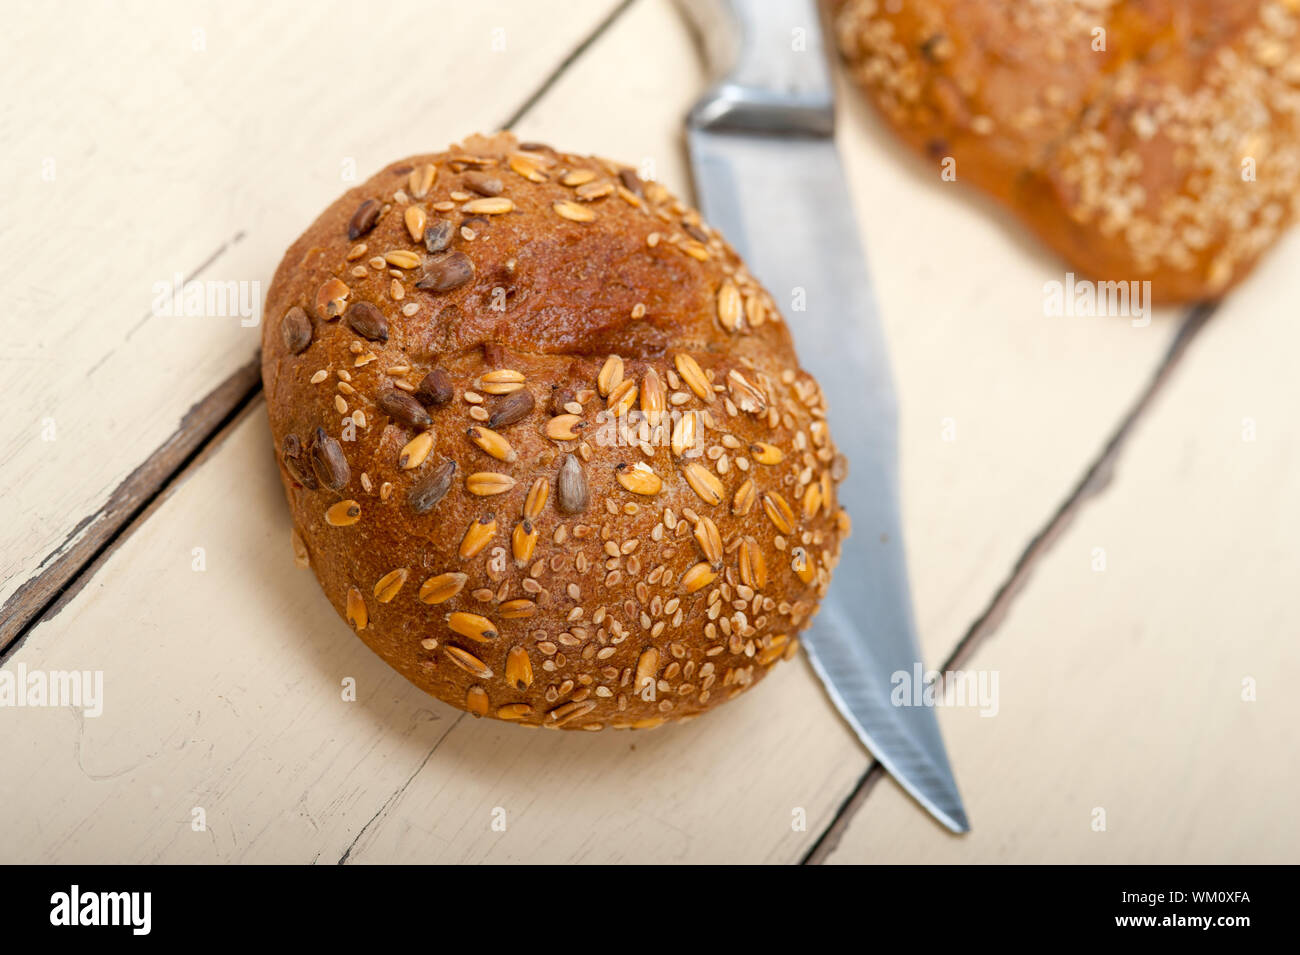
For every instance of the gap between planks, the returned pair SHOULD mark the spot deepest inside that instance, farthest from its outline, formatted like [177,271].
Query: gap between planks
[97,534]
[1096,478]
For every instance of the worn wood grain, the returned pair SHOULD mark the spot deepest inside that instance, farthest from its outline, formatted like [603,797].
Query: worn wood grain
[239,700]
[194,141]
[1124,685]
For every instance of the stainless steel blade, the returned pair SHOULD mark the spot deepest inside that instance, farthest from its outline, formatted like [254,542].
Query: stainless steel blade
[785,206]
[779,196]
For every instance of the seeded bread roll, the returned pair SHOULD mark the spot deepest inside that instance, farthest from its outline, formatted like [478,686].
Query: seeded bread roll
[545,440]
[1172,155]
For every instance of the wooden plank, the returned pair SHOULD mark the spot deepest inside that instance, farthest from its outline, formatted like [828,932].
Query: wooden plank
[1122,689]
[182,142]
[962,305]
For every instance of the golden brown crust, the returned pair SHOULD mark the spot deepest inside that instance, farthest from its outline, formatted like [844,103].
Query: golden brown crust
[534,560]
[1134,162]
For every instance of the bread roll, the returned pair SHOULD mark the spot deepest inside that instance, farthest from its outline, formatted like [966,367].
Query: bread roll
[1143,141]
[545,440]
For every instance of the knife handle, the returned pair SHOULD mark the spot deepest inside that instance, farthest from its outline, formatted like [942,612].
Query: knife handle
[769,65]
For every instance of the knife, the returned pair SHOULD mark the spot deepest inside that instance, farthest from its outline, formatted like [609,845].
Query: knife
[768,177]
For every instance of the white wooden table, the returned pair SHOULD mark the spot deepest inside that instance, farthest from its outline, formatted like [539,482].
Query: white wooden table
[1105,516]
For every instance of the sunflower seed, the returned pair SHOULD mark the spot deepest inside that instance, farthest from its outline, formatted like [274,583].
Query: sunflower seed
[432,488]
[571,487]
[469,663]
[343,513]
[438,235]
[404,409]
[446,271]
[631,182]
[442,588]
[367,321]
[473,626]
[435,389]
[328,461]
[298,469]
[296,330]
[511,408]
[363,219]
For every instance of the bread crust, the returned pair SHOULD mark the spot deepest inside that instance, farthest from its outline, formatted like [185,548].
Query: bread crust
[658,597]
[1170,156]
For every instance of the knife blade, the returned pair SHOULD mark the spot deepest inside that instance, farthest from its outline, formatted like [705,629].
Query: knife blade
[768,177]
